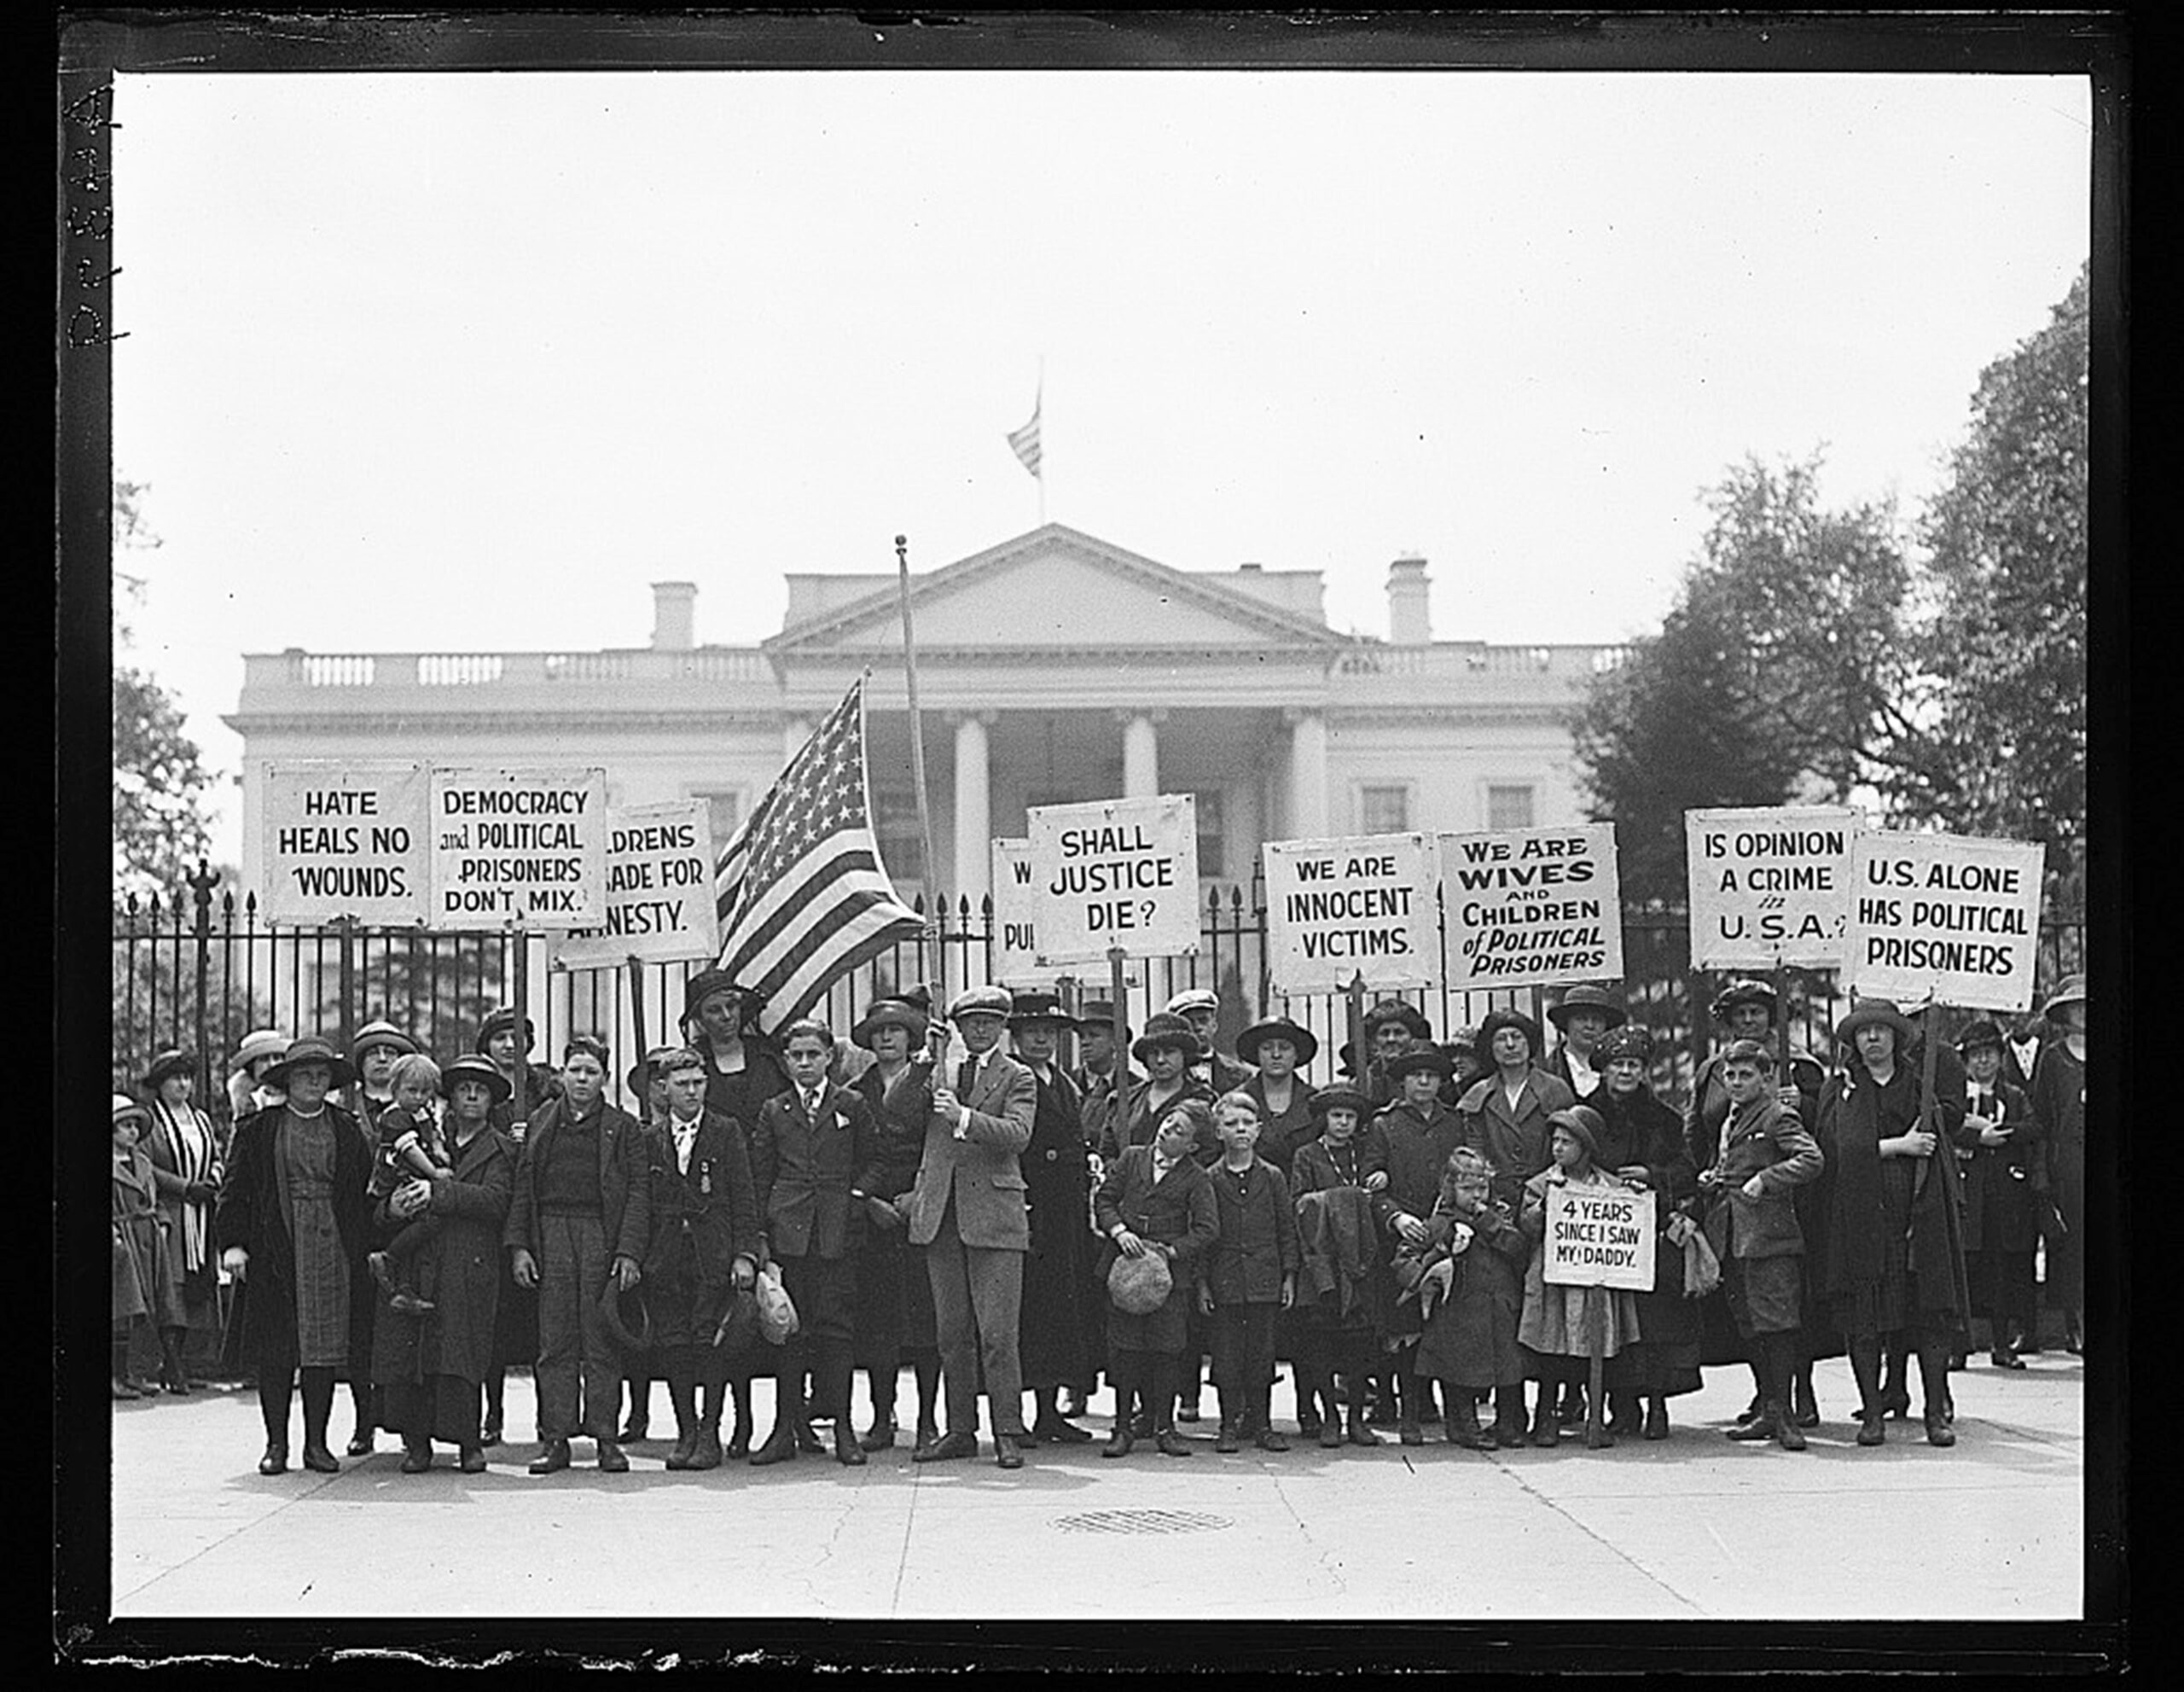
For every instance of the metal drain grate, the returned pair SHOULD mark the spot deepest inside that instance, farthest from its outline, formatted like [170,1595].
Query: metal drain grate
[1142,1521]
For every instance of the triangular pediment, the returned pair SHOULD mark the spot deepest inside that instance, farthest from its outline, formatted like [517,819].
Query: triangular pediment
[1060,588]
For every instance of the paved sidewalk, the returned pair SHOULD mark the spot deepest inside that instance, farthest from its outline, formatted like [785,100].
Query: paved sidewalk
[1692,1528]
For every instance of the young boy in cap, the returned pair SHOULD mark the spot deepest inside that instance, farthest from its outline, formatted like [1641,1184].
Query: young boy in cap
[1406,1150]
[1250,1275]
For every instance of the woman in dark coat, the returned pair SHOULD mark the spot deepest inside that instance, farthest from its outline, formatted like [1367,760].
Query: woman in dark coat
[1060,1310]
[2005,1179]
[895,1317]
[293,1222]
[1279,1049]
[429,1367]
[1892,1216]
[185,1158]
[2059,1101]
[1642,1142]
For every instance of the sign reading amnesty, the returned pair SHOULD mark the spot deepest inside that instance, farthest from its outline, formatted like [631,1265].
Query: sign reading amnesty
[523,846]
[344,840]
[1122,872]
[1770,886]
[659,891]
[1599,1236]
[1945,915]
[1339,909]
[1526,907]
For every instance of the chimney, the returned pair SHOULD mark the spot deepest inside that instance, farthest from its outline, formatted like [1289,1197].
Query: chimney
[1410,621]
[674,616]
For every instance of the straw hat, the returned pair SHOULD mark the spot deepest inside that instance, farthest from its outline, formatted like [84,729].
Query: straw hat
[312,1049]
[472,1067]
[891,1013]
[259,1042]
[1870,1012]
[171,1062]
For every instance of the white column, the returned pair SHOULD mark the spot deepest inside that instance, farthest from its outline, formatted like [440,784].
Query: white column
[1308,774]
[973,807]
[795,731]
[1141,756]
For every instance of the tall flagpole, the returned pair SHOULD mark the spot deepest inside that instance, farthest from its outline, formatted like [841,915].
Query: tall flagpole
[1038,411]
[917,760]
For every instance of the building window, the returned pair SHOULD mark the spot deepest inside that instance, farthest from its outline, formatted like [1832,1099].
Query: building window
[902,842]
[1508,807]
[724,813]
[1212,837]
[1383,810]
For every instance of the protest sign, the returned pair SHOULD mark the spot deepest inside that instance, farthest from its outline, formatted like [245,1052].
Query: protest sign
[343,839]
[1599,1236]
[523,846]
[1016,921]
[1770,886]
[1338,909]
[1121,872]
[1529,907]
[659,890]
[1945,915]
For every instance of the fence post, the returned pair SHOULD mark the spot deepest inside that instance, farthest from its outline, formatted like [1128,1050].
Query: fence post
[202,885]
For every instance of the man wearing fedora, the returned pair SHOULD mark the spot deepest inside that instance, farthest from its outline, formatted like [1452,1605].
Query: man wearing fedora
[1201,1007]
[968,1212]
[582,1213]
[1055,1335]
[2058,1102]
[1585,1013]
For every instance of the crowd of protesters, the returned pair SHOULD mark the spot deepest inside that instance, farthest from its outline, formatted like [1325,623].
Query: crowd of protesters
[948,1193]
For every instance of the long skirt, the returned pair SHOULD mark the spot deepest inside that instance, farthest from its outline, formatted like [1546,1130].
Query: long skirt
[442,1407]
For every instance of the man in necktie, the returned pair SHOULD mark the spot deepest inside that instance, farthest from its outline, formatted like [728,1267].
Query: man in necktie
[968,1212]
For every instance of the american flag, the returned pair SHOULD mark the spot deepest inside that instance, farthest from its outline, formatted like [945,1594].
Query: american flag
[1025,442]
[802,897]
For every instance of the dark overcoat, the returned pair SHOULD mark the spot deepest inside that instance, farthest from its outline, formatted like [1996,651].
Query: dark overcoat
[1177,1211]
[1062,1308]
[248,1214]
[1255,1250]
[703,1218]
[2002,1185]
[1281,1136]
[1513,1138]
[894,1312]
[624,1189]
[802,1166]
[1638,1129]
[2059,1101]
[458,1268]
[1471,1339]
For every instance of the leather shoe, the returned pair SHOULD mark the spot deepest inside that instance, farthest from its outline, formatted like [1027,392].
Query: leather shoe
[946,1448]
[1268,1440]
[1360,1434]
[1873,1431]
[1410,1433]
[320,1460]
[880,1437]
[553,1459]
[1599,1437]
[1118,1443]
[275,1462]
[612,1459]
[847,1451]
[806,1441]
[2006,1359]
[1330,1435]
[1940,1434]
[416,1460]
[1172,1444]
[1008,1454]
[489,1434]
[362,1444]
[705,1451]
[1787,1434]
[1657,1420]
[685,1449]
[1752,1432]
[1059,1432]
[779,1447]
[739,1443]
[473,1461]
[1226,1440]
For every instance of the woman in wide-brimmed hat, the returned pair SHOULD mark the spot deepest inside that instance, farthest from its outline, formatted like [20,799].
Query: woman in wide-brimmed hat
[186,1166]
[1279,1049]
[1582,1015]
[1892,1258]
[1392,1026]
[2058,1102]
[1166,1050]
[2005,1183]
[259,1050]
[140,1260]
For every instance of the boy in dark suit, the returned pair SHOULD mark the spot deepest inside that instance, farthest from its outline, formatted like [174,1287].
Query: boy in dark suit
[1250,1275]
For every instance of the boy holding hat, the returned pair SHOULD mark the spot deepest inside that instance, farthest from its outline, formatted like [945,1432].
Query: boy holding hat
[968,1212]
[1406,1150]
[1335,1332]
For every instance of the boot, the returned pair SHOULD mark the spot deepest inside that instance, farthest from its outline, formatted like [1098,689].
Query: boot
[1262,1434]
[1780,1363]
[1229,1441]
[784,1443]
[1657,1418]
[1509,1417]
[1804,1402]
[1462,1422]
[1933,1373]
[738,1441]
[1547,1425]
[171,1370]
[1571,1412]
[124,1387]
[1360,1434]
[682,1393]
[1625,1416]
[1410,1394]
[1895,1389]
[488,1432]
[705,1450]
[781,1445]
[1308,1405]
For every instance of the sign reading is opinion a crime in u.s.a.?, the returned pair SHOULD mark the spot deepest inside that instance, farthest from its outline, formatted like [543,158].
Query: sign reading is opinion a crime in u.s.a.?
[1770,886]
[1339,909]
[1530,907]
[1948,916]
[524,847]
[659,889]
[1599,1236]
[1117,873]
[343,839]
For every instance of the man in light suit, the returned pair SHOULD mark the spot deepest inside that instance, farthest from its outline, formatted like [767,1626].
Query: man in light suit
[968,1212]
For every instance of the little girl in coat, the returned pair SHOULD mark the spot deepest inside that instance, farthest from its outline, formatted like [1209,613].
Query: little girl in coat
[1556,1328]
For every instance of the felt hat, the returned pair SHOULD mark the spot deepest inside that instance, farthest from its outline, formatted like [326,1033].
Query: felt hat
[1140,1285]
[1882,1011]
[1193,998]
[171,1062]
[1493,1022]
[1627,1040]
[472,1067]
[1163,1029]
[980,1001]
[1099,1014]
[1745,992]
[891,1013]
[1584,1121]
[612,1315]
[1586,997]
[259,1042]
[1278,1028]
[1397,1010]
[1037,1007]
[1338,1098]
[2072,992]
[1981,1031]
[380,1033]
[706,983]
[1424,1057]
[500,1021]
[124,1106]
[312,1049]
[639,1078]
[1749,1051]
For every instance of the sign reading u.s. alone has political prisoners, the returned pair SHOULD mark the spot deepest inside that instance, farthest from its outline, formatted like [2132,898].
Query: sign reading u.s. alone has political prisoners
[1340,908]
[1945,915]
[343,839]
[659,889]
[1120,872]
[1599,1236]
[1769,886]
[1530,907]
[518,847]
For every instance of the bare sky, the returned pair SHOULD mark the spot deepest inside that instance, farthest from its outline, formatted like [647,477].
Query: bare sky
[463,362]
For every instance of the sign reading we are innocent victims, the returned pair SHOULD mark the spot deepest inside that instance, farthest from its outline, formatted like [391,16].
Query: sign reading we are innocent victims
[660,891]
[1599,1236]
[1529,907]
[523,846]
[1117,873]
[1341,909]
[343,839]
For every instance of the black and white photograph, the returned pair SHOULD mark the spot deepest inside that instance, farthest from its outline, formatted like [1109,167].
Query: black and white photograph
[1103,822]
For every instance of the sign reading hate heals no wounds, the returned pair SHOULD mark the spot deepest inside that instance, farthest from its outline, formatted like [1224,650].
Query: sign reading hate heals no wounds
[1337,909]
[1119,873]
[344,840]
[525,846]
[1530,907]
[659,891]
[1599,1236]
[1770,886]
[1946,916]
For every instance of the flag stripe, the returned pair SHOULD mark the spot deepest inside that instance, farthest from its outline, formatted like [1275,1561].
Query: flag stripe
[845,938]
[1025,442]
[768,924]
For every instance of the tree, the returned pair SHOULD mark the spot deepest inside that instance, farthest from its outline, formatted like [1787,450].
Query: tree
[2004,650]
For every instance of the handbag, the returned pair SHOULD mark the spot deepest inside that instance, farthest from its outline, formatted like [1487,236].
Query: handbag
[777,1318]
